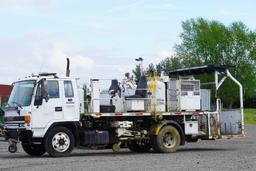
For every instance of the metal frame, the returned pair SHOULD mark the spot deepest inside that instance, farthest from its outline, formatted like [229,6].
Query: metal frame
[218,84]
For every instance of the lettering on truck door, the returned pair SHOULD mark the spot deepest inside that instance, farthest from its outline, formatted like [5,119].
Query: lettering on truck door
[69,101]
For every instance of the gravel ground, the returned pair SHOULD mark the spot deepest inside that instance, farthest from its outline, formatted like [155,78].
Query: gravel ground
[226,154]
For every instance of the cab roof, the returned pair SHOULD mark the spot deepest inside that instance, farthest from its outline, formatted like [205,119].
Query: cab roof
[44,75]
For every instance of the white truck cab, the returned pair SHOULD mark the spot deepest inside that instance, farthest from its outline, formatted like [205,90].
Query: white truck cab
[38,102]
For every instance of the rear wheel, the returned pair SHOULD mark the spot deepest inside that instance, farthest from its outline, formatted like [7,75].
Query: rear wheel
[141,146]
[167,141]
[59,142]
[33,149]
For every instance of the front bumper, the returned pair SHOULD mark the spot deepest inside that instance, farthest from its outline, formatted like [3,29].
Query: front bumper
[19,134]
[15,128]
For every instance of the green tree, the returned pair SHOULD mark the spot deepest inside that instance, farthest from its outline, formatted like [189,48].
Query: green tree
[211,42]
[137,73]
[170,63]
[151,70]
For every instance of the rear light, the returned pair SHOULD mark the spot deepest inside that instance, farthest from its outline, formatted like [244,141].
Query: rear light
[27,119]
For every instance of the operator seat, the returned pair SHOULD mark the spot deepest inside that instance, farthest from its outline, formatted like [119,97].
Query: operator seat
[114,88]
[141,89]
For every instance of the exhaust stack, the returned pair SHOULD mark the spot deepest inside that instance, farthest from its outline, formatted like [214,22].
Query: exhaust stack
[67,69]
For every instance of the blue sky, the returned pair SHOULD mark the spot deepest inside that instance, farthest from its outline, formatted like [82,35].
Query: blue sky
[102,38]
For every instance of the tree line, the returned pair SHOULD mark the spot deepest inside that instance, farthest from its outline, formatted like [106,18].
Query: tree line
[205,42]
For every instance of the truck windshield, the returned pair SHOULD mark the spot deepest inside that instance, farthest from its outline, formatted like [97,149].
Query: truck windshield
[22,93]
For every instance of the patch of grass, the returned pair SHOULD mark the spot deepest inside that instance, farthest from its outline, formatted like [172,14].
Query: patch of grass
[250,116]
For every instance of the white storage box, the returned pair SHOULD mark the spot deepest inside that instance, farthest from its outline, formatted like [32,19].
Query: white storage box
[188,95]
[191,127]
[135,105]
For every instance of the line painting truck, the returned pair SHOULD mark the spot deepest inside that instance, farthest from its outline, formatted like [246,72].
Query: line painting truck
[47,113]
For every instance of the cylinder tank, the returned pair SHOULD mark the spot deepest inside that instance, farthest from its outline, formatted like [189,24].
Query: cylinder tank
[157,88]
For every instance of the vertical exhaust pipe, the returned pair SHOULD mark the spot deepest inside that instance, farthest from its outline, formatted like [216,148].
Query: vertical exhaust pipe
[67,68]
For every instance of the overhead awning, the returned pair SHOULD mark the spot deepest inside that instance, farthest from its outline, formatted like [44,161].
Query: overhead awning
[200,70]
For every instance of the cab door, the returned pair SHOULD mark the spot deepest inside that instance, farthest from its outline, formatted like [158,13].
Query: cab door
[45,111]
[69,101]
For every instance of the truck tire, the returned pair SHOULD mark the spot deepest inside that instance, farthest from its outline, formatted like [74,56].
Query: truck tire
[139,146]
[167,141]
[59,142]
[33,149]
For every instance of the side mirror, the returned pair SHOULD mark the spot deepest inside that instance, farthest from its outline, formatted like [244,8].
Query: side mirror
[45,91]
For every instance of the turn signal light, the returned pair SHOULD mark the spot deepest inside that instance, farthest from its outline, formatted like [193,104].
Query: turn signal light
[27,119]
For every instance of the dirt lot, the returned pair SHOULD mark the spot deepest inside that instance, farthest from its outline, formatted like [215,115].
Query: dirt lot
[232,154]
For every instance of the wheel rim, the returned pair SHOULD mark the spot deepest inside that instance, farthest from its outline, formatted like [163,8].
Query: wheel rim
[169,140]
[60,142]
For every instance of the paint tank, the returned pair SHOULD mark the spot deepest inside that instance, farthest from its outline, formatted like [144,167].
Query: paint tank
[157,88]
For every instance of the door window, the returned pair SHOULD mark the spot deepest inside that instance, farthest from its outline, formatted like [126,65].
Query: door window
[53,89]
[68,89]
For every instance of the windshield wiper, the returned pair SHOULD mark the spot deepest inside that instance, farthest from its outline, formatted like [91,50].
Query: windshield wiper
[19,105]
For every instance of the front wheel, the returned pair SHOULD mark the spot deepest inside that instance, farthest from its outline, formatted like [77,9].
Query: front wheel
[33,149]
[167,141]
[59,142]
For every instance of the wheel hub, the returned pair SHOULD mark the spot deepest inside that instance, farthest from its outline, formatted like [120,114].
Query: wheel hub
[168,140]
[60,142]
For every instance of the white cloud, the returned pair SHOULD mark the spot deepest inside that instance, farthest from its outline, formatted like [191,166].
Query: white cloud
[25,3]
[54,60]
[38,36]
[164,6]
[82,62]
[123,68]
[25,7]
[232,13]
[25,59]
[118,69]
[161,55]
[131,6]
[96,25]
[140,5]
